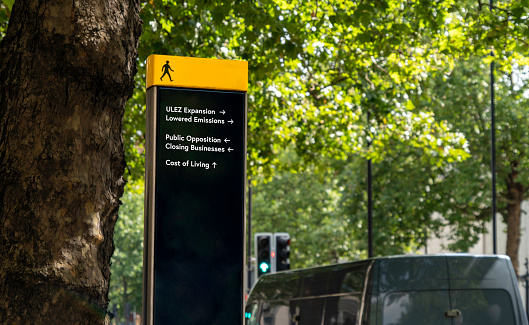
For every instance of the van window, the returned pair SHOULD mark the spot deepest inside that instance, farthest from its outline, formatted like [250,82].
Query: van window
[275,313]
[354,280]
[342,310]
[484,307]
[315,284]
[251,314]
[279,286]
[417,307]
[308,311]
[350,280]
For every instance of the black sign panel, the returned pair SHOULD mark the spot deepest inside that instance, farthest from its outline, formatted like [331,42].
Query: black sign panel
[199,207]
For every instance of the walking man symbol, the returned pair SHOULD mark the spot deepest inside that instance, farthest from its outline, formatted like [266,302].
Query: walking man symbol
[165,70]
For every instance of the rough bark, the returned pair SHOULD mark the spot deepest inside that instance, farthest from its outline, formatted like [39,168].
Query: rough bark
[513,214]
[66,72]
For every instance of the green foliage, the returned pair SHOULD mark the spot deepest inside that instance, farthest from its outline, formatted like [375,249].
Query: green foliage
[409,187]
[317,69]
[402,215]
[9,4]
[5,13]
[326,215]
[127,262]
[462,98]
[308,208]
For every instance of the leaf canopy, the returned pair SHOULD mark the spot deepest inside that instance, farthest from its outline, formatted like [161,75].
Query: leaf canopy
[318,68]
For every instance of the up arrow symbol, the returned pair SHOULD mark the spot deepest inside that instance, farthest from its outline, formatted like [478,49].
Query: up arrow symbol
[214,165]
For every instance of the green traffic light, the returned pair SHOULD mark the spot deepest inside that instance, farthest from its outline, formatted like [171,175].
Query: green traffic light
[264,267]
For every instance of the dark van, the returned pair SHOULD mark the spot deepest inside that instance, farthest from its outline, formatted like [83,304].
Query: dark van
[455,289]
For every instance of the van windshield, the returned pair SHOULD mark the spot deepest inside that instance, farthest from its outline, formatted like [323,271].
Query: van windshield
[443,307]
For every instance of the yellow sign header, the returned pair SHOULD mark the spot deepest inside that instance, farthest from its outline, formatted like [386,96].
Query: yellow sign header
[186,72]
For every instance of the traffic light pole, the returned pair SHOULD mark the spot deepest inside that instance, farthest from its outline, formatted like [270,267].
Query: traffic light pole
[250,269]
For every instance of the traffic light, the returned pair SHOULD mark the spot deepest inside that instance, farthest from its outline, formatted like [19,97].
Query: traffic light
[263,252]
[282,251]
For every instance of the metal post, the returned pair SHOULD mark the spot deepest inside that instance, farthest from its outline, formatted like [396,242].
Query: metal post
[527,287]
[493,152]
[493,159]
[369,201]
[249,255]
[370,208]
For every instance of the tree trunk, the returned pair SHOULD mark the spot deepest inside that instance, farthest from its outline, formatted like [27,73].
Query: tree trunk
[515,196]
[66,72]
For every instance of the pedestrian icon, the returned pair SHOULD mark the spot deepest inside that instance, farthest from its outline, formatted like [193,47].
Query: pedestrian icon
[165,70]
